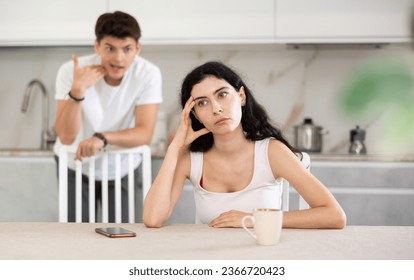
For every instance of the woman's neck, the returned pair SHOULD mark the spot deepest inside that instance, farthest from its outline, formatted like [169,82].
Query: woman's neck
[230,143]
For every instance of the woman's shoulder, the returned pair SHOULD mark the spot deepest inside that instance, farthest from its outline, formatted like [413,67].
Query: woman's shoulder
[278,149]
[273,143]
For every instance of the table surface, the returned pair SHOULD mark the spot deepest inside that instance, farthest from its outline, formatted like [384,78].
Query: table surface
[71,241]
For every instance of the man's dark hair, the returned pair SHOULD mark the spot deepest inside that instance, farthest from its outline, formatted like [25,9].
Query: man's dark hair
[117,24]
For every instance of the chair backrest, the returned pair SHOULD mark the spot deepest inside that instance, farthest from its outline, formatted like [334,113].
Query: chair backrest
[67,152]
[286,186]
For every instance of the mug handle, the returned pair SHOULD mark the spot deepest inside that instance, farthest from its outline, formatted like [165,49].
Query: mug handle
[244,226]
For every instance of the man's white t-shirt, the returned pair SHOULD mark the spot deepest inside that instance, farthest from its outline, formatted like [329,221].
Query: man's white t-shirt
[108,108]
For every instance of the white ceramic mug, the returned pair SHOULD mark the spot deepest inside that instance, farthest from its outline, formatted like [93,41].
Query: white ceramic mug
[267,225]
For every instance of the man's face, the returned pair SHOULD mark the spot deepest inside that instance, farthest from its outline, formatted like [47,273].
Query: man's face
[116,55]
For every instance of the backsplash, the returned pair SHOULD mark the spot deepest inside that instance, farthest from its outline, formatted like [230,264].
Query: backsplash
[291,83]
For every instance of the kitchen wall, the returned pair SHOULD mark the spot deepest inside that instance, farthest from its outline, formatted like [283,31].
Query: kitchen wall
[281,77]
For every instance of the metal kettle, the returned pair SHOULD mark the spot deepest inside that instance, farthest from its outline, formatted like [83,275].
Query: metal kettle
[357,138]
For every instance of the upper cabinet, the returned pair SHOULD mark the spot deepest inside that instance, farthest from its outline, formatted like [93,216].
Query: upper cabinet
[200,21]
[71,22]
[45,22]
[340,21]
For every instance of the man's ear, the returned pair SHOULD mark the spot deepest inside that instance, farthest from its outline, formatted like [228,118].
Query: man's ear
[96,46]
[242,95]
[138,48]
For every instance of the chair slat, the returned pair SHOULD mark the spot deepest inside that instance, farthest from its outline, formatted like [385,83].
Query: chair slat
[131,189]
[118,200]
[91,176]
[78,191]
[63,185]
[105,188]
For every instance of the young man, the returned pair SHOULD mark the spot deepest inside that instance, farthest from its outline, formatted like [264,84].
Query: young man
[108,98]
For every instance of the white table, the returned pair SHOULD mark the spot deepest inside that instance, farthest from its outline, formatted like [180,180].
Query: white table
[49,241]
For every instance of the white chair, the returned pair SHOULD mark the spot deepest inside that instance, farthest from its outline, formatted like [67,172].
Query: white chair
[64,155]
[287,187]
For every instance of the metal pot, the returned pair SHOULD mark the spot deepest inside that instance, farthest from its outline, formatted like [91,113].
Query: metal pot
[308,137]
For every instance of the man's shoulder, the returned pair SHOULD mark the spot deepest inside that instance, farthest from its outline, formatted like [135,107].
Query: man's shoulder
[142,65]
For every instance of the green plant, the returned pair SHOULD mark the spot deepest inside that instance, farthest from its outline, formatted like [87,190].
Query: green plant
[383,87]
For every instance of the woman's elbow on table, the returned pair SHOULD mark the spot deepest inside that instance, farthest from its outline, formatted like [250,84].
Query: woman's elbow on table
[339,220]
[151,222]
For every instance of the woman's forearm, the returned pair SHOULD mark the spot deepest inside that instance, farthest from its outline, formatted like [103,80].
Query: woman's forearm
[319,217]
[159,203]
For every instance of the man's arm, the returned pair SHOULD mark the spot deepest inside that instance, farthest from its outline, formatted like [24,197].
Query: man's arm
[69,112]
[141,133]
[68,120]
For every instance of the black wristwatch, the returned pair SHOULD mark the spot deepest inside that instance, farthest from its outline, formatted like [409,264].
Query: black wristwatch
[102,137]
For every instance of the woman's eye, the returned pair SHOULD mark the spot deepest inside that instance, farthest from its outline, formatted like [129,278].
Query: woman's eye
[223,94]
[201,103]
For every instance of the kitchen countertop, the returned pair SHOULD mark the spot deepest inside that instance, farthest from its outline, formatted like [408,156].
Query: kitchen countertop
[313,156]
[367,157]
[26,153]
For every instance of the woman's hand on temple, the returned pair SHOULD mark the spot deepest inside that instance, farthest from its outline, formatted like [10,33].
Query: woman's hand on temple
[185,134]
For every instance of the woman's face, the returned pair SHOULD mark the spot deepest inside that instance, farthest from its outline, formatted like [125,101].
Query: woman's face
[218,106]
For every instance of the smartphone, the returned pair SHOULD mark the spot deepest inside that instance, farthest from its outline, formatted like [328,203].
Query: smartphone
[115,232]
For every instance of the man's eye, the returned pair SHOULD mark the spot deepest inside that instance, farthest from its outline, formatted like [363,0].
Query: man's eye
[108,49]
[127,50]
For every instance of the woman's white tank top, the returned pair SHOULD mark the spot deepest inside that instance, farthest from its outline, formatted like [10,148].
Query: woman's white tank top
[263,191]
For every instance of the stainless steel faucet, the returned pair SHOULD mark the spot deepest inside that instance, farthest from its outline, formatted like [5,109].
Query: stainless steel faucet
[48,137]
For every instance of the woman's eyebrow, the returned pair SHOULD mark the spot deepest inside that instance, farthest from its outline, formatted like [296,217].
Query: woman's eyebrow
[221,89]
[200,97]
[216,91]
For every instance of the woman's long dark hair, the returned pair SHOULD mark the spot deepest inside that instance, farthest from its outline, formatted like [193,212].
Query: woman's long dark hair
[255,120]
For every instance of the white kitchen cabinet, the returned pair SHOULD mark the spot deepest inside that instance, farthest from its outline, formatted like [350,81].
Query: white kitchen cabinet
[45,22]
[28,189]
[197,21]
[371,192]
[339,21]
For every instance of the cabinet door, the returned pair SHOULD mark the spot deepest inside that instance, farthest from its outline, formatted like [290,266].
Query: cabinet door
[371,193]
[45,22]
[318,21]
[196,21]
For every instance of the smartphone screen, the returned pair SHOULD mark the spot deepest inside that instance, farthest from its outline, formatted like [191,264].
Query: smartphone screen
[115,232]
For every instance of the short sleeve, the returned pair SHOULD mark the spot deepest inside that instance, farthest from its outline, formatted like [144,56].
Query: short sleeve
[152,88]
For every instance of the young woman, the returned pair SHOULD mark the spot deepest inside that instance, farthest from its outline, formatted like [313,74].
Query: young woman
[235,159]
